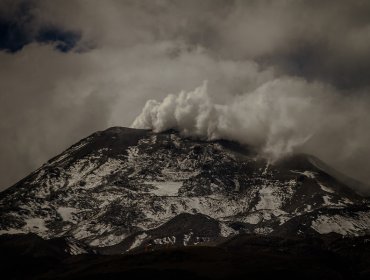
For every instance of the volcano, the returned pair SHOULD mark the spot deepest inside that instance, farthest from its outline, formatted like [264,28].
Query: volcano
[127,191]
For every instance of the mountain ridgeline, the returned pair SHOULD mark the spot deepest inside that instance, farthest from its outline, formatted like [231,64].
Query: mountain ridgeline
[134,186]
[131,191]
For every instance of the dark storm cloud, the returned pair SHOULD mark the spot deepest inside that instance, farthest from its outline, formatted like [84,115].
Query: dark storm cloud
[17,29]
[80,66]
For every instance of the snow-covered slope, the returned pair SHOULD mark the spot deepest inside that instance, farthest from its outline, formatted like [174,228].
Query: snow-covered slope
[128,188]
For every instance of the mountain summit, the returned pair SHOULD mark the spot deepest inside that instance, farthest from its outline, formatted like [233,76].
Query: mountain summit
[124,189]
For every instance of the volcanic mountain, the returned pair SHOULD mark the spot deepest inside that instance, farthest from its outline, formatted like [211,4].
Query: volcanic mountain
[125,190]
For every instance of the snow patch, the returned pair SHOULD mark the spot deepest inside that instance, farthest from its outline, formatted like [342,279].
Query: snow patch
[226,231]
[344,225]
[138,240]
[263,230]
[165,240]
[253,218]
[67,213]
[165,188]
[325,189]
[308,174]
[327,201]
[267,199]
[36,225]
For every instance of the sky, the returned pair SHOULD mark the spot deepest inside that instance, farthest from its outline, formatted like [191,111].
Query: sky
[286,76]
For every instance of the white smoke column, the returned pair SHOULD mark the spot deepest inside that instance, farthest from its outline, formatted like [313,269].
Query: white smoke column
[280,117]
[192,113]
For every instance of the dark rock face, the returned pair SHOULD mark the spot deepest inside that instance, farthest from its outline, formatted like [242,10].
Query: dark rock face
[241,257]
[125,190]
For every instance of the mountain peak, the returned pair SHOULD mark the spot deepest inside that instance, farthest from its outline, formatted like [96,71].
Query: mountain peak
[130,188]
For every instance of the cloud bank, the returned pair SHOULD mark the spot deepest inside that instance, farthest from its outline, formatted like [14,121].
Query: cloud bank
[69,68]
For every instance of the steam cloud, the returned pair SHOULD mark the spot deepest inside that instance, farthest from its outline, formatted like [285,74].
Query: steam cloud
[280,117]
[274,117]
